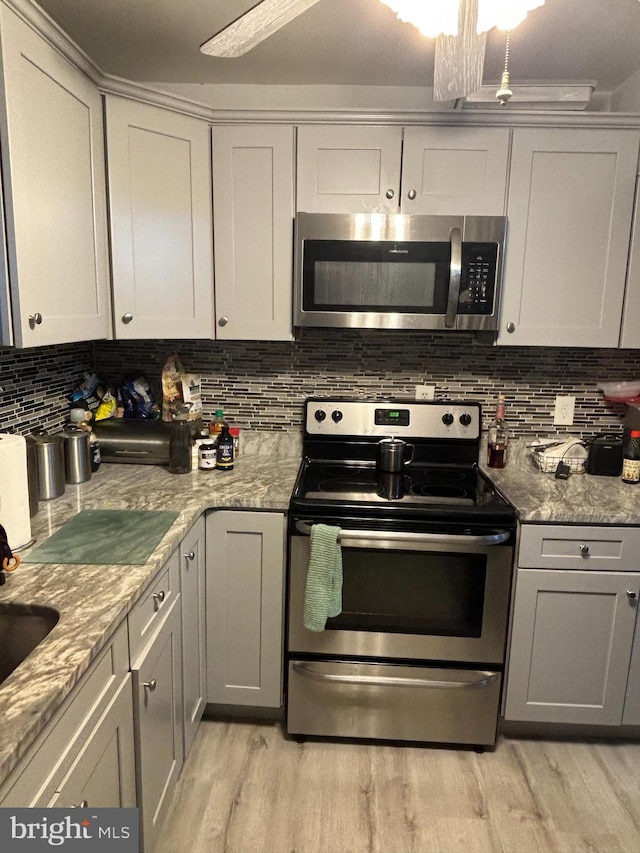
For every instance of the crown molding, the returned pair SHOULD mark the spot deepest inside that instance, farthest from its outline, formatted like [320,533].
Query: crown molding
[109,84]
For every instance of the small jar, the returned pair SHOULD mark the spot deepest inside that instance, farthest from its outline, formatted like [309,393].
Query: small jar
[207,456]
[234,432]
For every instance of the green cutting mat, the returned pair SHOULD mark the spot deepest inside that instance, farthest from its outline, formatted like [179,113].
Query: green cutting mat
[105,537]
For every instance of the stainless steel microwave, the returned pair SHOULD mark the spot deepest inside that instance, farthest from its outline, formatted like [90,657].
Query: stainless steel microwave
[386,271]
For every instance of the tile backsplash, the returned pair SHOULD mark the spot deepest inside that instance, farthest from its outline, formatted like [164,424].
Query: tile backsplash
[262,385]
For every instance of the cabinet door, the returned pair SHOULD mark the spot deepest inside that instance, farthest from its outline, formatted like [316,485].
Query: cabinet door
[161,226]
[194,649]
[570,646]
[630,336]
[461,171]
[253,227]
[157,708]
[348,169]
[103,775]
[569,209]
[631,715]
[55,193]
[245,595]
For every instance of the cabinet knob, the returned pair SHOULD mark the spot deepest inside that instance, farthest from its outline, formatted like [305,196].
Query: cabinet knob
[412,194]
[390,193]
[81,805]
[632,594]
[190,556]
[511,327]
[35,319]
[150,685]
[584,550]
[127,318]
[223,321]
[158,598]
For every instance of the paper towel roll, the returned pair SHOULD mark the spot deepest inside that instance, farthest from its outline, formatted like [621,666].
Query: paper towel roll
[14,490]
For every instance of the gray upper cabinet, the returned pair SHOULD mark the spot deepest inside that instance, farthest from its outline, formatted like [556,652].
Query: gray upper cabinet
[630,336]
[54,193]
[455,170]
[253,192]
[569,208]
[161,222]
[430,170]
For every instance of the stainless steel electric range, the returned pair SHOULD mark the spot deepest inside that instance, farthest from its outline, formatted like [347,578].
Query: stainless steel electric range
[417,652]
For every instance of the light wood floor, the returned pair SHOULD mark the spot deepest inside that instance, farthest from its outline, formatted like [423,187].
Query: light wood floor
[245,789]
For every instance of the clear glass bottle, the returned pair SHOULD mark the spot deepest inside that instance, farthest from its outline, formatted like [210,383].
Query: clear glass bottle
[498,438]
[631,459]
[180,447]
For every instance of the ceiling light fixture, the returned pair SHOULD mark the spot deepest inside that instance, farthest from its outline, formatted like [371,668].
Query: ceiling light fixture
[435,17]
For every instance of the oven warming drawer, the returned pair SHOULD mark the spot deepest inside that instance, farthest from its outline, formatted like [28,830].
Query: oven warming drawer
[389,702]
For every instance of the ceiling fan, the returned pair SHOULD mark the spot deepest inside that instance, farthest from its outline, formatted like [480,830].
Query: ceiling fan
[459,59]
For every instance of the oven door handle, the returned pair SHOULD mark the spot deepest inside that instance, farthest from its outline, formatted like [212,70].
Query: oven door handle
[455,272]
[415,539]
[485,679]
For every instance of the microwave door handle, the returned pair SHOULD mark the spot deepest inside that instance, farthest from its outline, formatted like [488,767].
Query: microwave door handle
[455,269]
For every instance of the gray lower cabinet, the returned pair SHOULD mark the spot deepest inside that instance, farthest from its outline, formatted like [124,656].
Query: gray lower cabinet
[631,714]
[571,646]
[194,639]
[85,754]
[245,596]
[158,715]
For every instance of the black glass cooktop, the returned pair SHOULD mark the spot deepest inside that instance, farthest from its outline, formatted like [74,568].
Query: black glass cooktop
[431,485]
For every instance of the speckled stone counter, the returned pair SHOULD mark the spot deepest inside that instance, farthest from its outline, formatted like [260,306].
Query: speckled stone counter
[582,499]
[94,599]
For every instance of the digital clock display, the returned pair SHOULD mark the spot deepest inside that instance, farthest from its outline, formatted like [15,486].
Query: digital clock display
[392,417]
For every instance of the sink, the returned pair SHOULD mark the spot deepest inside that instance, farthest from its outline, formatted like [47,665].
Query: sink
[22,628]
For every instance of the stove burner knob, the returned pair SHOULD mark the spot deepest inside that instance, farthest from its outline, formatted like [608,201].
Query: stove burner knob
[465,419]
[447,419]
[336,415]
[320,415]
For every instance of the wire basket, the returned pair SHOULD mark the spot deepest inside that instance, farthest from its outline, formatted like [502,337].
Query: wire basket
[548,463]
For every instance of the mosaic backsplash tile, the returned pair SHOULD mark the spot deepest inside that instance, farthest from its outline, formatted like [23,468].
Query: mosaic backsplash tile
[262,385]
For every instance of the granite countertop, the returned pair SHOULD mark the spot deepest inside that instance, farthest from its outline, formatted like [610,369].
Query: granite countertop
[582,499]
[94,599]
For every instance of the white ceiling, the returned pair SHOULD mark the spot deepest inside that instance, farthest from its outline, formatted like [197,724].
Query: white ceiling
[344,42]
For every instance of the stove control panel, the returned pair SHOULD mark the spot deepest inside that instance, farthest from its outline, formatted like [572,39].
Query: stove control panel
[405,419]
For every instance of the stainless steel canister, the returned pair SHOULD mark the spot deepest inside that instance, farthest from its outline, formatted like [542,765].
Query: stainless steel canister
[50,455]
[77,456]
[32,475]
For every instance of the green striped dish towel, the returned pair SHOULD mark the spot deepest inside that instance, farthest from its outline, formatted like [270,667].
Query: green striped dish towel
[323,593]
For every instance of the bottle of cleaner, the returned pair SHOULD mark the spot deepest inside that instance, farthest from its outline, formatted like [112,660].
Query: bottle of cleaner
[498,437]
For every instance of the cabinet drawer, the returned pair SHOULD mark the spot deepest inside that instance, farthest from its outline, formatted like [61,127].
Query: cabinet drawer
[150,611]
[554,546]
[47,763]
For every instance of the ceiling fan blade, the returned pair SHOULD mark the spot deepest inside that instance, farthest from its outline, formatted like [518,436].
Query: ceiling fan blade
[459,60]
[254,26]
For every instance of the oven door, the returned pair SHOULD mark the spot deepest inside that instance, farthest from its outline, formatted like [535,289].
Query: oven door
[409,595]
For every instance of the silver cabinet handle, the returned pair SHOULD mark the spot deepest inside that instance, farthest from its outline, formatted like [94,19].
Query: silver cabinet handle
[455,270]
[127,318]
[425,539]
[190,556]
[35,319]
[389,193]
[584,550]
[223,321]
[412,194]
[632,594]
[511,327]
[158,598]
[81,805]
[307,671]
[150,685]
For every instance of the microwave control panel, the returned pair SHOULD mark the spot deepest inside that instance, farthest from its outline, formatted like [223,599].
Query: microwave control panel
[478,278]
